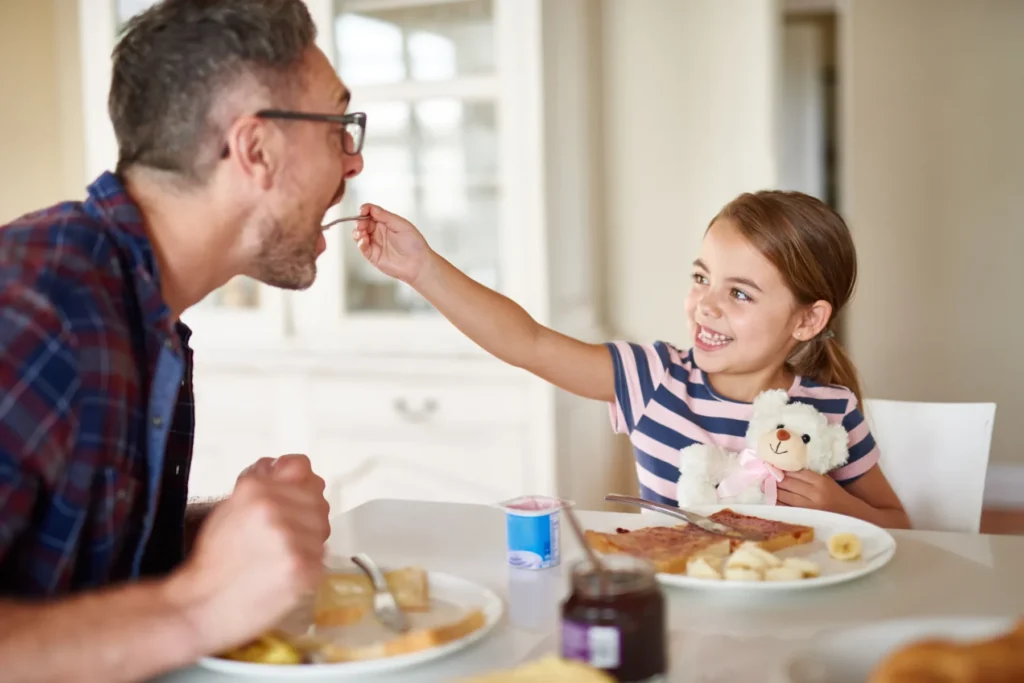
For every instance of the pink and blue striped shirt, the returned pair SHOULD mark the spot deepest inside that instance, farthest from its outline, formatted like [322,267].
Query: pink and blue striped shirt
[665,403]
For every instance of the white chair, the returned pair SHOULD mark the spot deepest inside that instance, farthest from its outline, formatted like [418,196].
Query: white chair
[935,455]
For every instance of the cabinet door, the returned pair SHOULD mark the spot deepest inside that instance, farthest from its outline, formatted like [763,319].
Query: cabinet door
[471,471]
[434,82]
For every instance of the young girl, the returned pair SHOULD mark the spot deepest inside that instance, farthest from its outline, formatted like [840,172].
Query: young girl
[775,269]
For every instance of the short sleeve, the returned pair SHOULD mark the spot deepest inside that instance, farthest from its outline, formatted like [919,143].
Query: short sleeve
[639,370]
[38,383]
[863,450]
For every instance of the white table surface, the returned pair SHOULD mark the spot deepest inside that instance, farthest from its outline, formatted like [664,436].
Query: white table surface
[714,636]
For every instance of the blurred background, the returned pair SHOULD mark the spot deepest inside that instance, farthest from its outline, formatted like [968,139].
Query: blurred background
[571,153]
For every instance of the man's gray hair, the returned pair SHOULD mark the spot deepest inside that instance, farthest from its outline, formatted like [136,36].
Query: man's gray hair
[173,61]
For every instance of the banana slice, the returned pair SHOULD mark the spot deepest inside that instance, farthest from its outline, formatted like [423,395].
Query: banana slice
[704,568]
[844,546]
[744,559]
[767,559]
[783,573]
[808,568]
[752,557]
[742,574]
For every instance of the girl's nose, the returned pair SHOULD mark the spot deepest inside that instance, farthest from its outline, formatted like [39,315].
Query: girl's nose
[709,306]
[782,435]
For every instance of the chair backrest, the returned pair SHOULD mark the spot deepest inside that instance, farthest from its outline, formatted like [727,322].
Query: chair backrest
[935,455]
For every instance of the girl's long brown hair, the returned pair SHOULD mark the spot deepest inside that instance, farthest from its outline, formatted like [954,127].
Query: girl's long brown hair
[811,246]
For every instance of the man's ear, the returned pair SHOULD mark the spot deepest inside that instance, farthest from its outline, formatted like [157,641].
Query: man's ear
[254,146]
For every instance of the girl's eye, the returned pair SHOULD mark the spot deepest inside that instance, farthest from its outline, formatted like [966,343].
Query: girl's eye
[740,295]
[699,279]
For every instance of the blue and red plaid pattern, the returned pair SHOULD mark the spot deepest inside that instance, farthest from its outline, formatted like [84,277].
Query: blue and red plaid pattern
[96,413]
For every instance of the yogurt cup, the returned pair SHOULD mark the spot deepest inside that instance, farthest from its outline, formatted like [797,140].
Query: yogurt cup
[533,531]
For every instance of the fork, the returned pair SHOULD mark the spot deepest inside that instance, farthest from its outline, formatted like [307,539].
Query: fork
[385,607]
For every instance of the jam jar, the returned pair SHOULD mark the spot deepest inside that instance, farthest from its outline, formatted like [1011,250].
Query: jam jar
[616,621]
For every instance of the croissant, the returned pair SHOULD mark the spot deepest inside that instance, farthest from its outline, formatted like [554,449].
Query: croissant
[995,660]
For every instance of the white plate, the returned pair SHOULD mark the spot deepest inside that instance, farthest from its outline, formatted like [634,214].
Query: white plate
[878,548]
[849,655]
[444,588]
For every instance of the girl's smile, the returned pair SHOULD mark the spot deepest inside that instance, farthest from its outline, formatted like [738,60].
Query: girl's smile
[708,340]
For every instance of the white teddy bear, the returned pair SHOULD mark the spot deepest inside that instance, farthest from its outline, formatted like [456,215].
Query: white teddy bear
[781,437]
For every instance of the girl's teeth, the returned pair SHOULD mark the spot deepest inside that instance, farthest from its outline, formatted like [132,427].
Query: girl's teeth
[714,338]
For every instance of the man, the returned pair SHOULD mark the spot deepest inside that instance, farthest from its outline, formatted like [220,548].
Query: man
[233,142]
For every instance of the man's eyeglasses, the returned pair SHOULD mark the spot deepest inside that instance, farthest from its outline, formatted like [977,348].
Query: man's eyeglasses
[354,125]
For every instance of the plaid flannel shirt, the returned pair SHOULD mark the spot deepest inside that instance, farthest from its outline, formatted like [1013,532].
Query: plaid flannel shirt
[96,412]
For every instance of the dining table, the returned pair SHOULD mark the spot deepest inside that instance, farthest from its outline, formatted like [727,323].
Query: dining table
[713,636]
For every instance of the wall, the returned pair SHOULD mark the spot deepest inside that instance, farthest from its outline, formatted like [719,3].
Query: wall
[689,122]
[42,160]
[934,163]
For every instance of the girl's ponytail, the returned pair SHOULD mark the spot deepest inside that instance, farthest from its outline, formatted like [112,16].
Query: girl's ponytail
[824,360]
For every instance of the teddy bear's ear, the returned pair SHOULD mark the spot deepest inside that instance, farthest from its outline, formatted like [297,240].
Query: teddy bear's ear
[770,402]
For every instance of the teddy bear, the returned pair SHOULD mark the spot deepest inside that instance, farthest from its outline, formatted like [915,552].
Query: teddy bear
[781,437]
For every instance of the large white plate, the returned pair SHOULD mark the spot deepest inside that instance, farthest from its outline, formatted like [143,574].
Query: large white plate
[848,655]
[879,548]
[444,588]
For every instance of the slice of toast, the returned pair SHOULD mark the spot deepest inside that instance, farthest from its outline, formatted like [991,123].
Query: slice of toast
[777,535]
[550,669]
[667,548]
[411,641]
[346,597]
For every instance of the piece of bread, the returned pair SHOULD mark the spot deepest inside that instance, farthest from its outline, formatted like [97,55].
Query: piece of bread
[270,648]
[550,669]
[411,641]
[346,597]
[669,549]
[995,660]
[776,535]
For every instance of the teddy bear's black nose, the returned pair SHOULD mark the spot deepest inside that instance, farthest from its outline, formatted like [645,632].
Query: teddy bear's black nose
[782,435]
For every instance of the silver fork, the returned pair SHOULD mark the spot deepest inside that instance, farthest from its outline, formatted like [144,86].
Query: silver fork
[385,607]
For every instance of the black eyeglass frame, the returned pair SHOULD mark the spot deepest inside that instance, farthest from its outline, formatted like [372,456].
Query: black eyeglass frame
[357,118]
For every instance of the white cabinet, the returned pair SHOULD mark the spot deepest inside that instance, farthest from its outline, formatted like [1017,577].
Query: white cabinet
[480,130]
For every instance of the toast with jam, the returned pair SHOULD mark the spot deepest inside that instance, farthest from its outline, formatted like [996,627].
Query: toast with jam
[670,548]
[775,535]
[667,548]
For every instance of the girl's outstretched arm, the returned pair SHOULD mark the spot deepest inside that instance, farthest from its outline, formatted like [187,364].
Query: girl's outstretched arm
[493,321]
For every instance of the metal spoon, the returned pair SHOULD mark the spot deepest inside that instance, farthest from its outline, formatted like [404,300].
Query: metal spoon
[385,607]
[342,220]
[595,561]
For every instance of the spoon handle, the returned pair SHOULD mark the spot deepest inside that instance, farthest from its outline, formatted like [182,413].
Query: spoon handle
[343,220]
[574,522]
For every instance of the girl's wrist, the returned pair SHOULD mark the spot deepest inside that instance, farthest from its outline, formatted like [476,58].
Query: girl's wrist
[849,504]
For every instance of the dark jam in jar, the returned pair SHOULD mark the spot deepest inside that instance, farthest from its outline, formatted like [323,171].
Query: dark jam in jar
[617,622]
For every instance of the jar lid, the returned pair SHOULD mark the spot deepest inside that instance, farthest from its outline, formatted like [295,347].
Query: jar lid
[625,574]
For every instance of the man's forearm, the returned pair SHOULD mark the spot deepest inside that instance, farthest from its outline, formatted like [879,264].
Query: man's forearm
[124,634]
[195,515]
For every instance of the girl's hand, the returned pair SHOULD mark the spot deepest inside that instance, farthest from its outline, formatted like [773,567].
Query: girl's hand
[390,243]
[807,489]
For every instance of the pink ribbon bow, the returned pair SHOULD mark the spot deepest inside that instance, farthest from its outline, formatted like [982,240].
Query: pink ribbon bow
[752,470]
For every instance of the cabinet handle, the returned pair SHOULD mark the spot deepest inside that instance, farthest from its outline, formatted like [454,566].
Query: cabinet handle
[429,408]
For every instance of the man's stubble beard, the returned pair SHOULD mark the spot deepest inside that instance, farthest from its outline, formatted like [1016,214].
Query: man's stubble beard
[286,262]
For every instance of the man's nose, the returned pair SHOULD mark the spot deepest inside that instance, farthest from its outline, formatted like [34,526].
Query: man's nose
[353,165]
